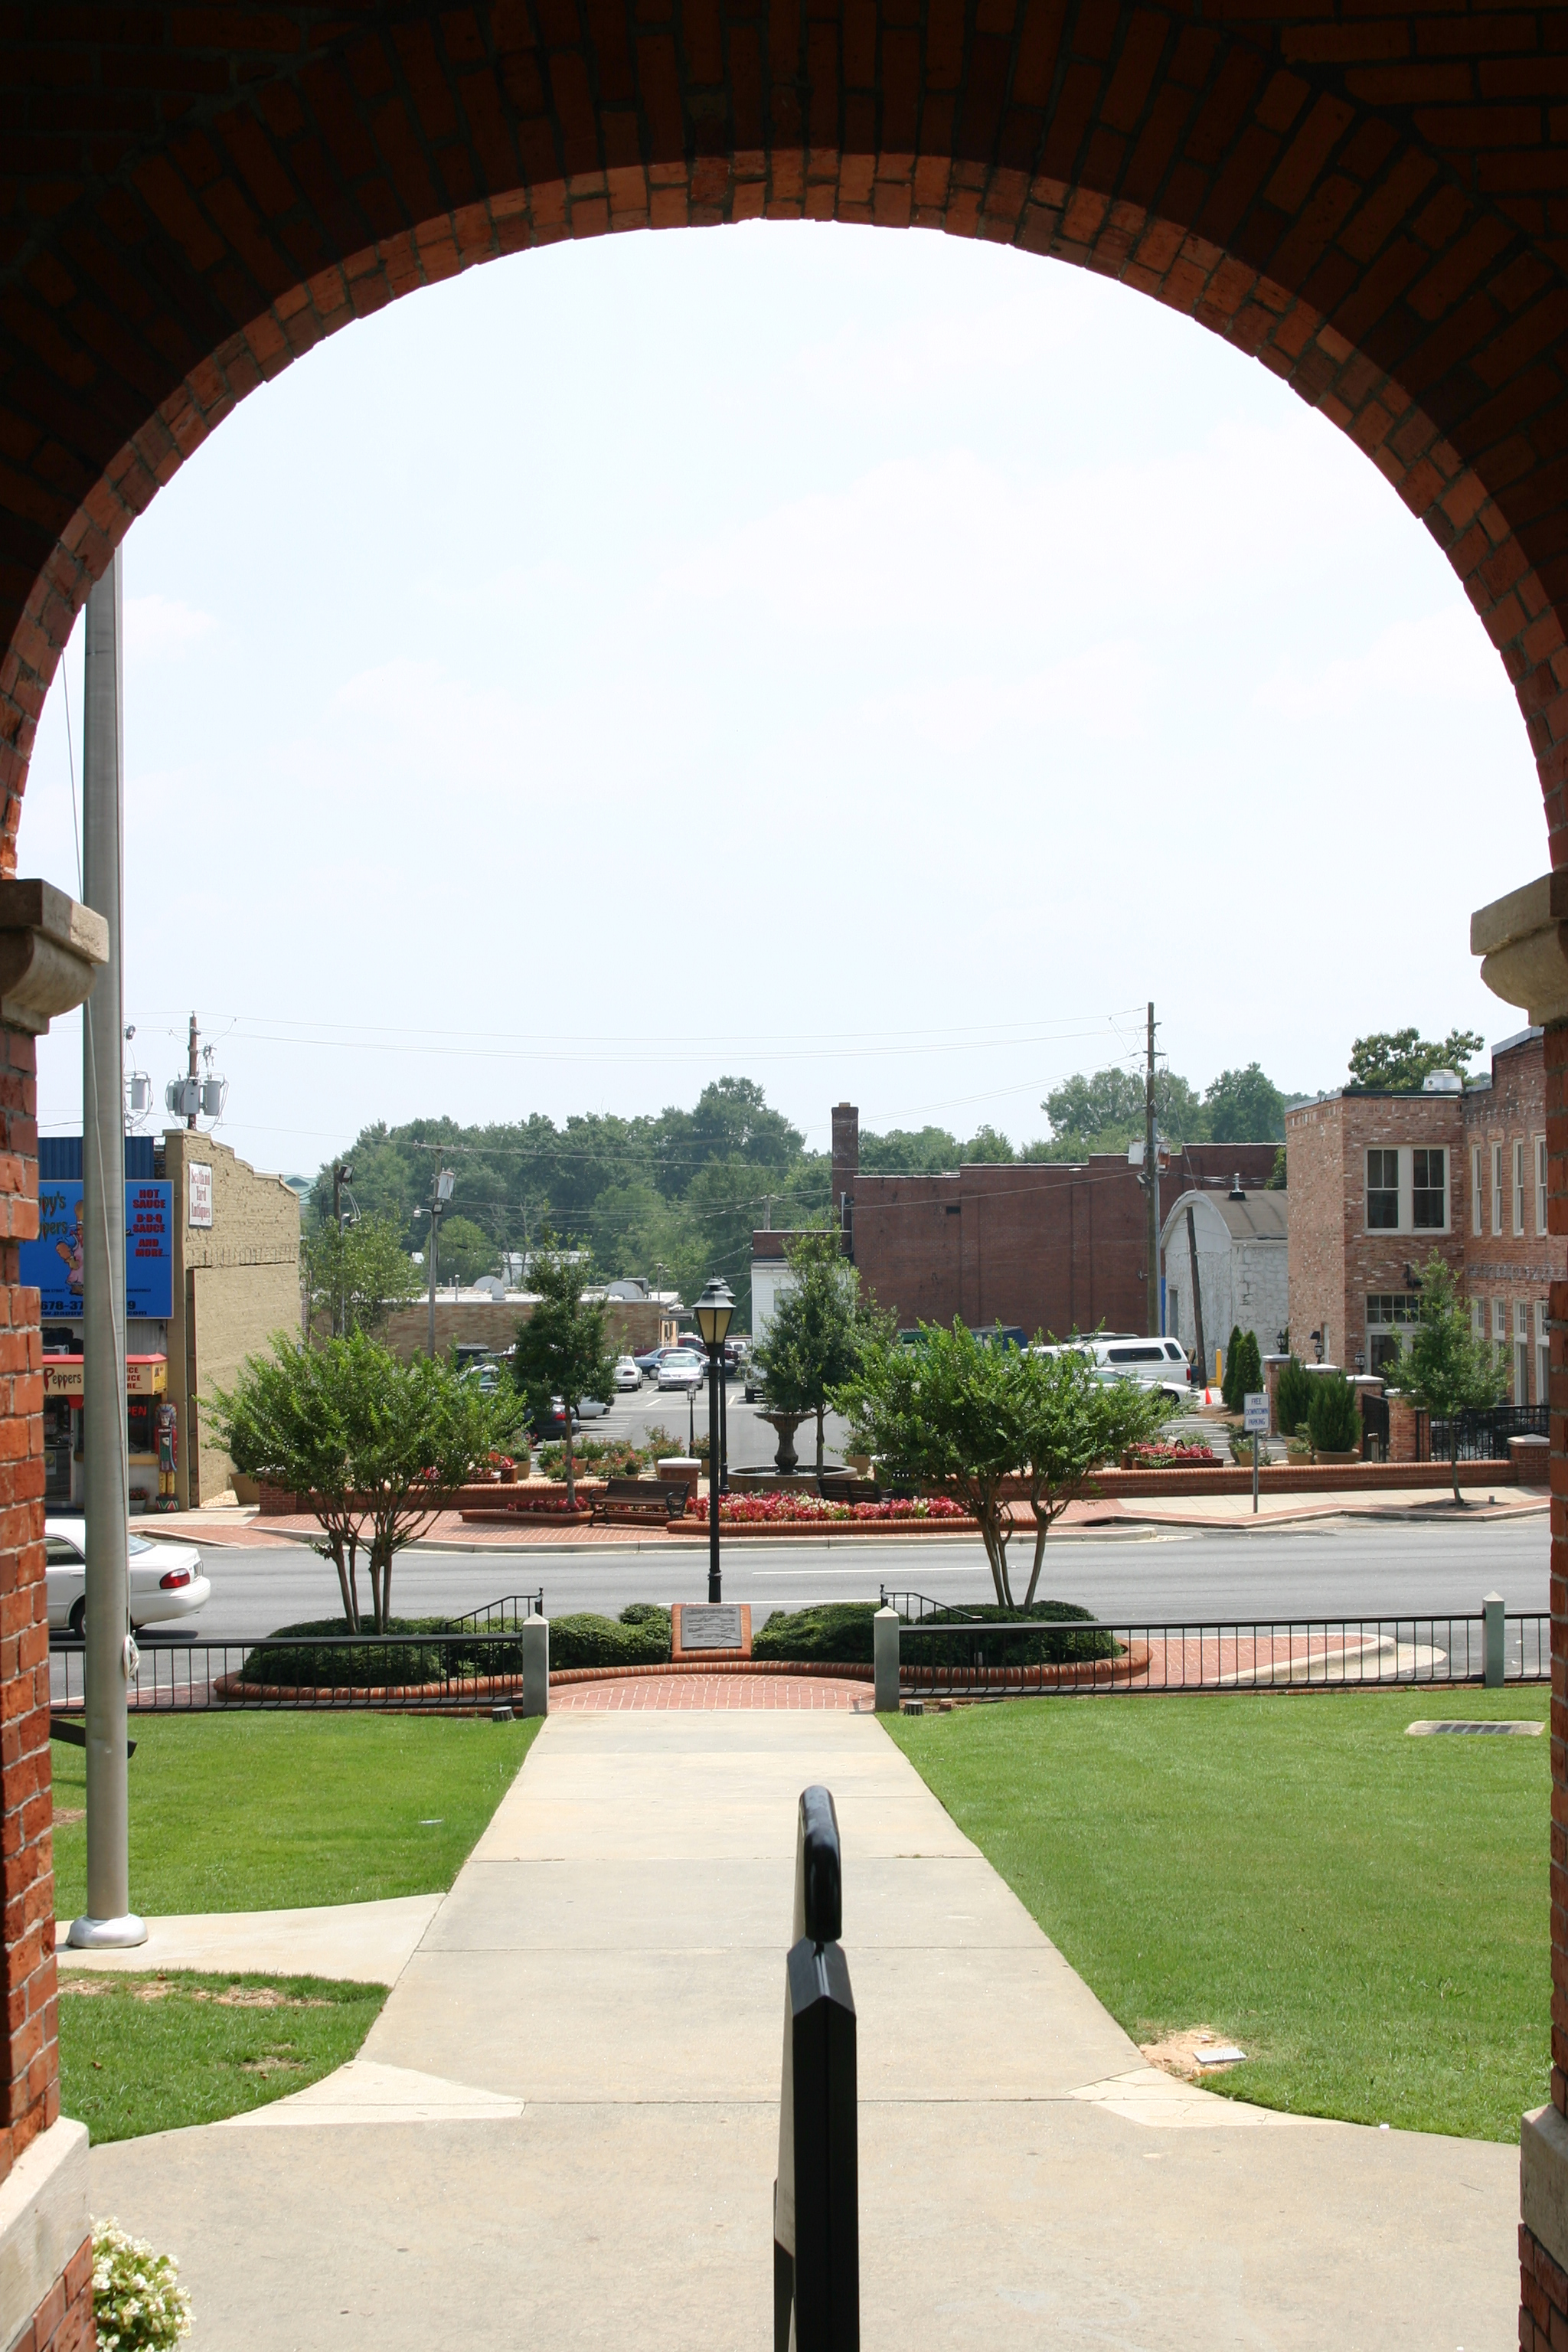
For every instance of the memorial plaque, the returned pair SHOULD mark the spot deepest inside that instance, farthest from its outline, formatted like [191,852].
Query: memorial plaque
[710,1627]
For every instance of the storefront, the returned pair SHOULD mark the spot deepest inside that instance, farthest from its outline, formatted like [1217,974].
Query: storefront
[146,1385]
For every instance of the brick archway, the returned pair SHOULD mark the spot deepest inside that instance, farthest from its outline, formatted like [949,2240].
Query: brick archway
[1374,204]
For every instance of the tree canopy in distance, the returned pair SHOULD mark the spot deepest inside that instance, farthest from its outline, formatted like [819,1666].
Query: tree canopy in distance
[1403,1059]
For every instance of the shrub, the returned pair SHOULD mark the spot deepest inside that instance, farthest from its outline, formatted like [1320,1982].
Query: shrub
[839,1632]
[1249,1375]
[138,2302]
[1234,1363]
[1294,1399]
[1333,1417]
[1171,1455]
[586,1640]
[297,1654]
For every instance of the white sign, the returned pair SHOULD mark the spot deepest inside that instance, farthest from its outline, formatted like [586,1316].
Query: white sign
[201,1191]
[1256,1411]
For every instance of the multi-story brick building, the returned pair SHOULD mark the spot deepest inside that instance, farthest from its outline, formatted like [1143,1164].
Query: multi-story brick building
[1045,1245]
[1380,1179]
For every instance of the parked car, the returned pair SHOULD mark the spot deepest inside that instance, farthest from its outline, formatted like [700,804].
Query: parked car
[549,1420]
[627,1374]
[1152,1363]
[590,1408]
[167,1579]
[648,1362]
[754,1380]
[682,1369]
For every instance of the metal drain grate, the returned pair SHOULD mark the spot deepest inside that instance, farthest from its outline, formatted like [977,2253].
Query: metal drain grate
[1524,1730]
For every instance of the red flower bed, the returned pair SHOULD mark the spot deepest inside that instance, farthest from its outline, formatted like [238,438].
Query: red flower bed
[775,1510]
[1173,1457]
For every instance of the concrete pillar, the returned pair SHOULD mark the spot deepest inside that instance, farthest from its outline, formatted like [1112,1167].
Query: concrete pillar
[536,1666]
[1492,1641]
[885,1659]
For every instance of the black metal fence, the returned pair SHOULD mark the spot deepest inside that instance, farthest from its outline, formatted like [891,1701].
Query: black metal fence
[947,1653]
[445,1673]
[1480,1436]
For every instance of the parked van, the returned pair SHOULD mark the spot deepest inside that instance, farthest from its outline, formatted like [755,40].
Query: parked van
[1152,1363]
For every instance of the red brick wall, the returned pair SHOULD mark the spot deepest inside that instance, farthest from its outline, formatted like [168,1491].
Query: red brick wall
[1518,1268]
[29,2087]
[1050,1245]
[63,2321]
[1334,1260]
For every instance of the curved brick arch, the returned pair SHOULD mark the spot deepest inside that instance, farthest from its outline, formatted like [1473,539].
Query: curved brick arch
[1378,209]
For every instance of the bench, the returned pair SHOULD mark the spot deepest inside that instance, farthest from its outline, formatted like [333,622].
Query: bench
[642,1498]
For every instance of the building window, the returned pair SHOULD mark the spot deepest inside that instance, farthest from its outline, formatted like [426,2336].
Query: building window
[1477,1318]
[1499,1329]
[1389,1313]
[1383,1189]
[1519,1188]
[1521,1346]
[1474,1188]
[1430,1196]
[1497,1188]
[1541,1187]
[1542,1356]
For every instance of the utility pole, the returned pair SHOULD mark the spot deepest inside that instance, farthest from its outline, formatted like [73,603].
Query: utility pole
[1151,1191]
[109,1919]
[194,1067]
[440,1194]
[341,1174]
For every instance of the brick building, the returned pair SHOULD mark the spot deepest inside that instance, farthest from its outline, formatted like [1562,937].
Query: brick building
[1047,1246]
[1379,1180]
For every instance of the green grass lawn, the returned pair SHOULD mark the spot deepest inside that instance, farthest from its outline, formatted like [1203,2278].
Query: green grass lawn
[1365,1913]
[265,1812]
[152,2053]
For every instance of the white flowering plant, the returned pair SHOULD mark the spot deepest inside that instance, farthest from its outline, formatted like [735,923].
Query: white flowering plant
[137,2299]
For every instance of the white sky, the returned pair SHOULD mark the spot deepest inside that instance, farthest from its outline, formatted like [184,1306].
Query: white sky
[976,647]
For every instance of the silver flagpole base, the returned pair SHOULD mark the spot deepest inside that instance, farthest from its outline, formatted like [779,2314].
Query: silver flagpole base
[107,1935]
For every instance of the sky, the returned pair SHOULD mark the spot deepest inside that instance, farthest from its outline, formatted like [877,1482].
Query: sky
[873,664]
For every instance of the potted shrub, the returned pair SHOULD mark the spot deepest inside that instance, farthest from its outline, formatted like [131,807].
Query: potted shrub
[1333,1419]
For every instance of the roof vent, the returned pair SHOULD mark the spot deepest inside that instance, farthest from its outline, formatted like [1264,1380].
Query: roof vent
[1442,1082]
[1236,1192]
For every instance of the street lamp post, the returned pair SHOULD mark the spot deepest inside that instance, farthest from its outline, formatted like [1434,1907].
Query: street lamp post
[713,1311]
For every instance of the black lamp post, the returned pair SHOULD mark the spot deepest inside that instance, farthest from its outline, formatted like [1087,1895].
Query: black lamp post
[713,1311]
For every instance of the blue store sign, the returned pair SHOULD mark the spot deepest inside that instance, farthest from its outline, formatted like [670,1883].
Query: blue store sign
[53,1262]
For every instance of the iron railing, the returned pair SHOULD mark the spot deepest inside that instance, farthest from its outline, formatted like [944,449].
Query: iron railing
[943,1652]
[426,1672]
[497,1616]
[1481,1435]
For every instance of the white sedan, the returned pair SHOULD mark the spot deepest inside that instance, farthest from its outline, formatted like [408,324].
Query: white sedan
[627,1373]
[682,1369]
[167,1579]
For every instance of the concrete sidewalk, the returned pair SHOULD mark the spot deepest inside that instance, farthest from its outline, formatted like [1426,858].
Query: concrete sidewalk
[562,2127]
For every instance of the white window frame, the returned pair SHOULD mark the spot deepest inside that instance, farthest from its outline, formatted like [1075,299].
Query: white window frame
[1519,1186]
[1477,1195]
[1541,1183]
[1521,1348]
[1400,1188]
[1477,1318]
[1407,1223]
[1542,1356]
[1497,1188]
[1499,1330]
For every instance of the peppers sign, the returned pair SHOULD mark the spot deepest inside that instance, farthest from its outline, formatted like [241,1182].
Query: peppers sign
[52,1264]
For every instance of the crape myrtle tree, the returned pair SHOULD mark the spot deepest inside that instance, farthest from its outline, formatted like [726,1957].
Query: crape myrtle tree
[562,1350]
[820,1330]
[970,1416]
[378,1447]
[1441,1365]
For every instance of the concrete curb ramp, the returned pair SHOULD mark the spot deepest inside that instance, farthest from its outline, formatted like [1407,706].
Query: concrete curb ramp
[562,2128]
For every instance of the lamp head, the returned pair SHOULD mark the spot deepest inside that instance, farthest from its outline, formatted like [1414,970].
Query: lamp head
[713,1311]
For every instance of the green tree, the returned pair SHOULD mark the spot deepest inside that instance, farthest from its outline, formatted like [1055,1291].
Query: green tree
[988,1144]
[1276,1176]
[820,1330]
[1441,1364]
[1244,1107]
[1235,1364]
[354,1279]
[967,1415]
[562,1350]
[464,1251]
[1333,1417]
[378,1447]
[1293,1398]
[1104,1111]
[1402,1058]
[911,1151]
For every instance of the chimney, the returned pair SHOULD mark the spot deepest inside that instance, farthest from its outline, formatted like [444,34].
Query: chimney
[846,1159]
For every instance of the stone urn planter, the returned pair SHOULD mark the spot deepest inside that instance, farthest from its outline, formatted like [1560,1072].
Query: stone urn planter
[786,1424]
[1322,1453]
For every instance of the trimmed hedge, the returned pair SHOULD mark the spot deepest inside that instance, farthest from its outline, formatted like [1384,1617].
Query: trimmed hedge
[297,1654]
[840,1631]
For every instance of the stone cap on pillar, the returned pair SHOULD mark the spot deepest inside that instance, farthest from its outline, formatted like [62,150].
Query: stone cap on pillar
[1523,940]
[50,951]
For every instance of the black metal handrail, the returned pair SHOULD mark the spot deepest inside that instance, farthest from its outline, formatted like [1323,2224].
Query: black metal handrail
[328,1671]
[501,1613]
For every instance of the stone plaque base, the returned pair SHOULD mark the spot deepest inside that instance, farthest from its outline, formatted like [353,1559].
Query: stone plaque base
[709,1628]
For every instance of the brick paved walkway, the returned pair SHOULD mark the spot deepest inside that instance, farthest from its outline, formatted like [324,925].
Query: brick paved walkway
[641,1693]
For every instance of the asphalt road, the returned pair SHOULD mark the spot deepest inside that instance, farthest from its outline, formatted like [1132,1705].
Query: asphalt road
[1331,1568]
[752,1443]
